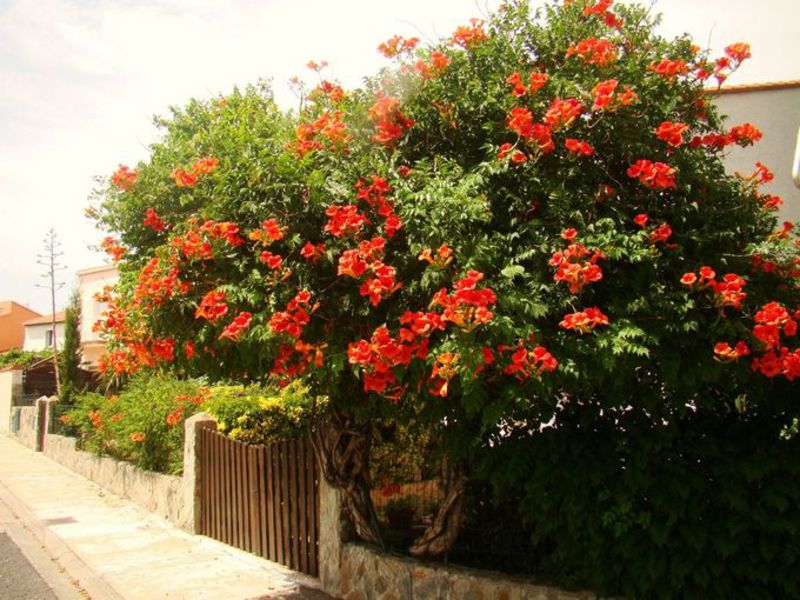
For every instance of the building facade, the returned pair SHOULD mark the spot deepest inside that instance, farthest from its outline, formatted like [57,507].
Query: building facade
[12,319]
[39,333]
[775,109]
[92,282]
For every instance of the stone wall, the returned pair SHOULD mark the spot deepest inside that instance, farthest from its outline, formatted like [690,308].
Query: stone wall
[158,493]
[368,575]
[28,426]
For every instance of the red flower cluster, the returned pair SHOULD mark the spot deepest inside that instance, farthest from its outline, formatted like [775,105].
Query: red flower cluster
[201,167]
[530,363]
[329,128]
[562,113]
[397,45]
[293,360]
[655,175]
[334,93]
[312,252]
[374,194]
[669,69]
[537,82]
[605,99]
[294,319]
[594,51]
[273,261]
[270,232]
[671,133]
[572,269]
[382,285]
[469,36]
[727,292]
[520,121]
[444,368]
[578,148]
[344,220]
[661,234]
[584,321]
[772,322]
[124,178]
[517,157]
[382,353]
[641,220]
[154,286]
[153,221]
[236,327]
[444,256]
[467,307]
[435,67]
[600,10]
[212,306]
[113,248]
[725,353]
[745,134]
[390,123]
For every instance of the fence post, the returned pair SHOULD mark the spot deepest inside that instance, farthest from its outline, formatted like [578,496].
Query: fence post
[40,422]
[193,426]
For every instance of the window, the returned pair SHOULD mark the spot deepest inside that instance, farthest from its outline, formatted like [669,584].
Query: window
[48,338]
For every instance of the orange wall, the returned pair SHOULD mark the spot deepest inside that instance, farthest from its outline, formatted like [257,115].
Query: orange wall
[12,316]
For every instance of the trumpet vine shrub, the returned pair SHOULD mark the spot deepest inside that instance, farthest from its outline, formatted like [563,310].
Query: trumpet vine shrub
[530,214]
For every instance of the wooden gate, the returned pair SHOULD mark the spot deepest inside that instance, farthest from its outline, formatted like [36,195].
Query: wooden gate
[262,499]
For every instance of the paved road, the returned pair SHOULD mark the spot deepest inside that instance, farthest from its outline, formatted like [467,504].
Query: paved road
[18,579]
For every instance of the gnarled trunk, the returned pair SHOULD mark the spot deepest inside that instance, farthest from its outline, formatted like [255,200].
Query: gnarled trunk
[343,450]
[446,525]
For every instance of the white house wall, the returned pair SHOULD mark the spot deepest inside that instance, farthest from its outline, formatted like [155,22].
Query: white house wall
[36,336]
[776,112]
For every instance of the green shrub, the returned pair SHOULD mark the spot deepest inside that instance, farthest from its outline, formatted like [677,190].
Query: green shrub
[143,424]
[701,506]
[16,357]
[260,415]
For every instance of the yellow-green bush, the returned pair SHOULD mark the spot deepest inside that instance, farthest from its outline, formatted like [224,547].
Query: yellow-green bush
[260,415]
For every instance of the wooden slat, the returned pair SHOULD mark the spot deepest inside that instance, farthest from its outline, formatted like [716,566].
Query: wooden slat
[262,505]
[252,485]
[272,551]
[311,507]
[302,498]
[230,495]
[204,475]
[218,495]
[286,499]
[278,492]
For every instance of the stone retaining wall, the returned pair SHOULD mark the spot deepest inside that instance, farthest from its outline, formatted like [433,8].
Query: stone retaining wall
[368,575]
[158,493]
[28,426]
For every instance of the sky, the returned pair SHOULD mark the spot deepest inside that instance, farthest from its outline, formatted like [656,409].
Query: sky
[80,82]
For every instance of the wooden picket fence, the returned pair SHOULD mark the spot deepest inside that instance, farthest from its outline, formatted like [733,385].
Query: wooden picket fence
[262,499]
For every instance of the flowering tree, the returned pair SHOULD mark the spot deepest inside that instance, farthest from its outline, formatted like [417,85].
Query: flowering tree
[531,212]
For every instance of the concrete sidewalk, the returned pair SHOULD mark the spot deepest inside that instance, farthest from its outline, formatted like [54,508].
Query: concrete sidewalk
[113,550]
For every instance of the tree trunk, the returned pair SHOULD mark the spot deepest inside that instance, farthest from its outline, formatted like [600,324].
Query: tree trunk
[343,450]
[443,531]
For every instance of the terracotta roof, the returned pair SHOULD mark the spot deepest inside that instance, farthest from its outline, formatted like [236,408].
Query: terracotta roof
[755,87]
[46,319]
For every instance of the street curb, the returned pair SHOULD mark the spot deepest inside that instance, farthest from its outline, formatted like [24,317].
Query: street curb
[93,584]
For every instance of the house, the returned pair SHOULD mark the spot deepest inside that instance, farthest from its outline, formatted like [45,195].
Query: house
[92,282]
[775,109]
[39,332]
[12,319]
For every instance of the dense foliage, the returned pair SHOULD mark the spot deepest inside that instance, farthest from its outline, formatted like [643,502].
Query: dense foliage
[143,424]
[69,359]
[260,415]
[17,357]
[526,221]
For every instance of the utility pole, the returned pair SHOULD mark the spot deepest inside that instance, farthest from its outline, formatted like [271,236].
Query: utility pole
[49,259]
